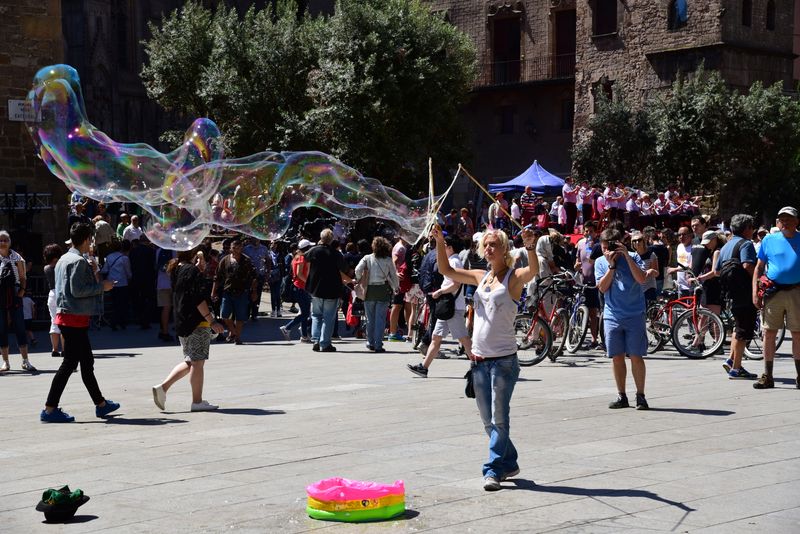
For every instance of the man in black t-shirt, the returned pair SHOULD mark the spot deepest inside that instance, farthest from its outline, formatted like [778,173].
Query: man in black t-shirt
[327,270]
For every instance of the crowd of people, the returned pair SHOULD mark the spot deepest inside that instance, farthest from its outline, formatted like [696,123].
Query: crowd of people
[470,278]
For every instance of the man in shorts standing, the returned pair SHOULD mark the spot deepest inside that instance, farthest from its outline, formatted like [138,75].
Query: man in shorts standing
[620,276]
[399,303]
[779,258]
[735,264]
[237,283]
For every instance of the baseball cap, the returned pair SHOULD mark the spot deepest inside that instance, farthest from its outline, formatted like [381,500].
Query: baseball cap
[477,236]
[788,210]
[707,237]
[304,244]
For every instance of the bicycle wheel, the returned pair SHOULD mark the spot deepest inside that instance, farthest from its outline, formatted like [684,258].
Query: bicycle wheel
[559,326]
[755,347]
[534,339]
[579,324]
[657,331]
[698,334]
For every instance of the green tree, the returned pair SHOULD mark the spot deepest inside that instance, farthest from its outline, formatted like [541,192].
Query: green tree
[248,74]
[619,144]
[378,84]
[391,78]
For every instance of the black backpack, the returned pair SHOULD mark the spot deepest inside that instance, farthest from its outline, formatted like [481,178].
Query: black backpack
[429,277]
[732,274]
[8,284]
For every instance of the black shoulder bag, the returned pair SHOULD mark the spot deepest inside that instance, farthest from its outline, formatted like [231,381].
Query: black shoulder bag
[445,306]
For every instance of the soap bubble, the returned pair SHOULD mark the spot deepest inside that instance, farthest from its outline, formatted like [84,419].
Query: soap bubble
[191,189]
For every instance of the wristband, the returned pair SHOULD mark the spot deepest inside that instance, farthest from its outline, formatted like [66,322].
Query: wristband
[612,267]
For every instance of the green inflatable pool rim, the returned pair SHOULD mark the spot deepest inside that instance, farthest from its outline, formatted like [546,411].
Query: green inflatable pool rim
[357,516]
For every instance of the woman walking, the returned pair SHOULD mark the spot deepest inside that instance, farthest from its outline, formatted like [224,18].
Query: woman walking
[194,324]
[301,296]
[495,368]
[52,253]
[79,296]
[12,288]
[382,283]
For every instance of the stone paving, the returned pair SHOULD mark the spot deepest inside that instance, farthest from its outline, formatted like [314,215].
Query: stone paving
[712,455]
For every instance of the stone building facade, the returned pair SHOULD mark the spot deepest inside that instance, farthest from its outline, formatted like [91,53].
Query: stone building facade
[32,201]
[543,63]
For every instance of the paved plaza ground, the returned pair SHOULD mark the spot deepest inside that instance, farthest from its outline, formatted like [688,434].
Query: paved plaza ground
[712,455]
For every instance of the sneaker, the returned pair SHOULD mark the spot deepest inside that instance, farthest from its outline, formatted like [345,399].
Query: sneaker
[286,335]
[28,366]
[55,354]
[394,337]
[278,314]
[370,347]
[491,484]
[765,382]
[442,355]
[203,406]
[103,411]
[305,339]
[56,416]
[237,341]
[741,373]
[510,474]
[6,367]
[315,348]
[293,309]
[380,350]
[727,365]
[621,402]
[329,348]
[641,402]
[418,370]
[160,397]
[422,349]
[336,338]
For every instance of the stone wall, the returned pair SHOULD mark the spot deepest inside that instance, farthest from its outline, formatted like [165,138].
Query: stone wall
[32,39]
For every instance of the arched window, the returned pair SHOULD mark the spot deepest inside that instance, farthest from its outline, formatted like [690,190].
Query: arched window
[677,15]
[770,15]
[747,12]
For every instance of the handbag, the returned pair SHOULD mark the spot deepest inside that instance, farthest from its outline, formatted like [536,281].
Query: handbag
[380,292]
[445,306]
[469,389]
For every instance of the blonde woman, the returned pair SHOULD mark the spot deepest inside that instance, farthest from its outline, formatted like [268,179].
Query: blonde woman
[494,348]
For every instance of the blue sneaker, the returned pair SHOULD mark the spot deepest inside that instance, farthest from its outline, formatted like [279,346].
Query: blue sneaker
[56,416]
[395,337]
[741,374]
[110,406]
[728,365]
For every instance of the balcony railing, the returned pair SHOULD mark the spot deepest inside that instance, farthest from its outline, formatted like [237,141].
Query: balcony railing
[536,69]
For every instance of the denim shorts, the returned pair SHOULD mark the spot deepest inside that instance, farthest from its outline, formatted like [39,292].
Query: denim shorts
[235,305]
[627,337]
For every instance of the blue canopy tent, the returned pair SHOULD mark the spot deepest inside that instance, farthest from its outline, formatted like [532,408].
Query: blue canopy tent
[542,182]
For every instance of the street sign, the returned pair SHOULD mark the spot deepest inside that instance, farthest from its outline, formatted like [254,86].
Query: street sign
[20,111]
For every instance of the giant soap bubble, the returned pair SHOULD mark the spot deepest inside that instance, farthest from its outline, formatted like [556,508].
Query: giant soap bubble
[189,190]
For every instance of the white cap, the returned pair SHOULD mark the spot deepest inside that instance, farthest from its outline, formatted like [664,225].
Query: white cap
[304,244]
[477,236]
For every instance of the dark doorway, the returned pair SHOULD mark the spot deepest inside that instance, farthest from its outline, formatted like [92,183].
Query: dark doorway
[506,50]
[564,61]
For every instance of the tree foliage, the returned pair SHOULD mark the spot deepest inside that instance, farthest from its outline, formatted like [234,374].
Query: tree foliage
[378,84]
[704,136]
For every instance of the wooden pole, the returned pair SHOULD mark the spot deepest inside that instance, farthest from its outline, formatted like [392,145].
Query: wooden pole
[488,194]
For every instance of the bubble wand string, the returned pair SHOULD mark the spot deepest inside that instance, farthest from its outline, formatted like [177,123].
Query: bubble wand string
[488,194]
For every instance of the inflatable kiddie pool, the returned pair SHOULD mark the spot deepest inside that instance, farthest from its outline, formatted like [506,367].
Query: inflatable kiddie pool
[340,499]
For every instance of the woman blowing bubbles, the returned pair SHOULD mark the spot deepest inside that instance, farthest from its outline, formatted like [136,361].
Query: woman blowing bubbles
[494,348]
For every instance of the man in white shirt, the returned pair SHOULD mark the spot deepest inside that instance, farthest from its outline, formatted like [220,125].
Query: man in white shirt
[570,193]
[133,230]
[684,256]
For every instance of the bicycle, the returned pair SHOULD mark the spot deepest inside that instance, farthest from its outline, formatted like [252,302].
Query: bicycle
[534,328]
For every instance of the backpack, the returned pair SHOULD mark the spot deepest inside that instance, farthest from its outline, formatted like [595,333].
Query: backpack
[8,284]
[429,277]
[733,276]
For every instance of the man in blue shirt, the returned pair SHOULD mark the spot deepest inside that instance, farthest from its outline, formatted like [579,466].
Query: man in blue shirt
[737,288]
[620,276]
[779,257]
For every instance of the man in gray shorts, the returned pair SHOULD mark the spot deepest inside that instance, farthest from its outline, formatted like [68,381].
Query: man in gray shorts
[455,326]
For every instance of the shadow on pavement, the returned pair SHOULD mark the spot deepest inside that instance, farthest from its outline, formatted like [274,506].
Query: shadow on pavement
[596,492]
[142,421]
[249,411]
[410,514]
[117,355]
[695,411]
[74,519]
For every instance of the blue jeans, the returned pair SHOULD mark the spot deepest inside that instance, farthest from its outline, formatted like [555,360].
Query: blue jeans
[375,311]
[494,381]
[324,312]
[303,300]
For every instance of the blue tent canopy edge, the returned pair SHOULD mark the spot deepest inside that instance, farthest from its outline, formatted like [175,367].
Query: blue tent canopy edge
[541,181]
